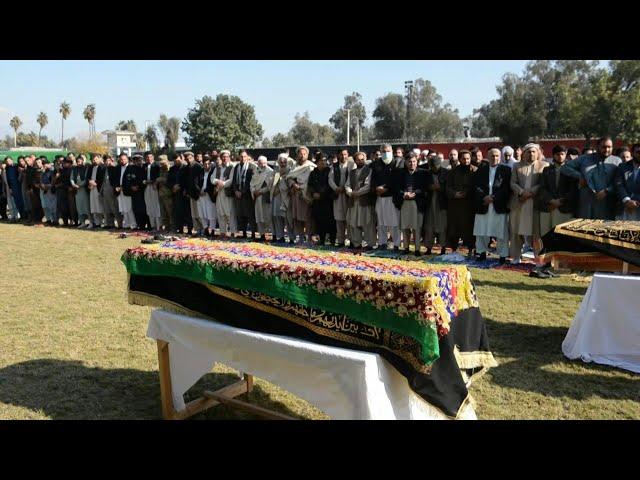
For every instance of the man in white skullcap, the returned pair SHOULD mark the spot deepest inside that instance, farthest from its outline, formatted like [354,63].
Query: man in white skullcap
[260,185]
[423,160]
[280,207]
[300,203]
[507,157]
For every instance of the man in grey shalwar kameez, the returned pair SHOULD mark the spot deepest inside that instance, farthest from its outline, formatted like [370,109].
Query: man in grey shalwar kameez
[596,173]
[79,179]
[361,217]
[280,215]
[260,186]
[337,182]
[96,177]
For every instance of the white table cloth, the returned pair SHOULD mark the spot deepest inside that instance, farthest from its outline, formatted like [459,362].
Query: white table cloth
[606,328]
[345,384]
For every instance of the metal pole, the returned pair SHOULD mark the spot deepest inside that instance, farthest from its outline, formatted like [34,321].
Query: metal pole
[358,131]
[348,125]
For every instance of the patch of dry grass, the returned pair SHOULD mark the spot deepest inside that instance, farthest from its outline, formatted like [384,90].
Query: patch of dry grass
[73,348]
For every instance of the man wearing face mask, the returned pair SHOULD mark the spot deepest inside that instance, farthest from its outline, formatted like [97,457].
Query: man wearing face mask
[383,174]
[435,219]
[628,185]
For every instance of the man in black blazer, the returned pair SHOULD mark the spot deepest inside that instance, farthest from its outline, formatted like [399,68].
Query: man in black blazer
[241,186]
[410,198]
[492,190]
[557,195]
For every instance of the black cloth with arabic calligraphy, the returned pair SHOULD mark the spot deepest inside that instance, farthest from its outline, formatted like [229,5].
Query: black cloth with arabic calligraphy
[617,238]
[441,384]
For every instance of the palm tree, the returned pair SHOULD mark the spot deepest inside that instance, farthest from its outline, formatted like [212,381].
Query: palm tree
[140,141]
[15,123]
[128,125]
[65,111]
[43,120]
[89,115]
[170,128]
[151,137]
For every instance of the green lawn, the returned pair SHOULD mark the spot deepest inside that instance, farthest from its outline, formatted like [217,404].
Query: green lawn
[71,347]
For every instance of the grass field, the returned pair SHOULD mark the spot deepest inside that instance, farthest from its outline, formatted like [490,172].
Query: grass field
[71,347]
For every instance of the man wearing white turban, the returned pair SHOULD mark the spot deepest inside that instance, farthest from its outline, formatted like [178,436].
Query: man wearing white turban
[507,157]
[261,183]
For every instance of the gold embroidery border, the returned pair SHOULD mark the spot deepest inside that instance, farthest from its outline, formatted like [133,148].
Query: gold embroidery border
[584,236]
[149,300]
[320,331]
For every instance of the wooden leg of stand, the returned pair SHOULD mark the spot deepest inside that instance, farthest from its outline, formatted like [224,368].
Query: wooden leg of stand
[168,410]
[625,268]
[249,380]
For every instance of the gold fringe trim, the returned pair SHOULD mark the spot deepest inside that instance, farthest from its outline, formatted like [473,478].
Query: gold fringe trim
[471,360]
[149,300]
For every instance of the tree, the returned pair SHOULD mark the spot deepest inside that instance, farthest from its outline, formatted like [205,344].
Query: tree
[282,140]
[266,143]
[95,143]
[128,125]
[43,120]
[33,139]
[429,119]
[151,138]
[170,129]
[306,132]
[519,112]
[70,144]
[478,122]
[389,116]
[65,111]
[89,115]
[624,84]
[223,122]
[15,123]
[141,143]
[358,116]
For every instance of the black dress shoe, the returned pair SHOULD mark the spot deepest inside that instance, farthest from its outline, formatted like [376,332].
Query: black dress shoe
[503,260]
[482,257]
[418,253]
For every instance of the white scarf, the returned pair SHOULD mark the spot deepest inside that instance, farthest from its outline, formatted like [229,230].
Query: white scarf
[260,175]
[301,174]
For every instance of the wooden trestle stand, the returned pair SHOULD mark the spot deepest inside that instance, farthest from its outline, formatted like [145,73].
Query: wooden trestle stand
[209,399]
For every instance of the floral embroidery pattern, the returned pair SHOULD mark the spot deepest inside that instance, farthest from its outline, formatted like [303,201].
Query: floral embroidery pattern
[431,293]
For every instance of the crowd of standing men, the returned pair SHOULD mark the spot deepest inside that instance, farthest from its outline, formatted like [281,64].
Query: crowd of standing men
[513,196]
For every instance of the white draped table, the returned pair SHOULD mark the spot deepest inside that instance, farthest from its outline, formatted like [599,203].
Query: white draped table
[345,384]
[606,328]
